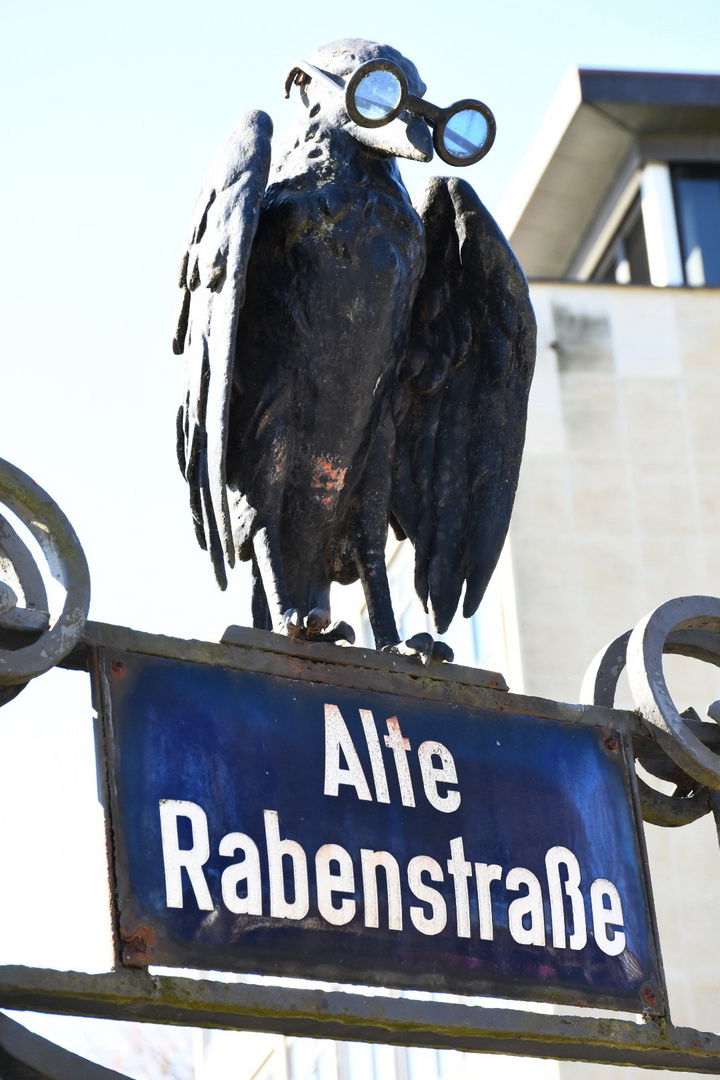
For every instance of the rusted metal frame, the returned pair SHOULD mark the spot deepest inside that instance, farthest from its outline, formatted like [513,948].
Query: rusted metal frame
[402,1021]
[661,1000]
[103,766]
[361,669]
[344,666]
[339,665]
[255,650]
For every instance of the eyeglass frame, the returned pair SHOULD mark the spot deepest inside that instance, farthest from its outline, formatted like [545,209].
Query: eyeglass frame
[438,118]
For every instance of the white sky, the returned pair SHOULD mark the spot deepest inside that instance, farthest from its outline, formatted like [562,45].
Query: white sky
[109,116]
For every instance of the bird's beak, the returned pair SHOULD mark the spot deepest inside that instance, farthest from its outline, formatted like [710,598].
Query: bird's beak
[407,136]
[418,136]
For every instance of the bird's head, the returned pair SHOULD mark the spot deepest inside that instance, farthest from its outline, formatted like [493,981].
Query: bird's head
[407,136]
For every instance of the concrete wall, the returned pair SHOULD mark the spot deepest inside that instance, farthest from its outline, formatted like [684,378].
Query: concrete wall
[618,507]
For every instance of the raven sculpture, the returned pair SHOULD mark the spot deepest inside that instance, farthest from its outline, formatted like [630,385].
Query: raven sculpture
[352,361]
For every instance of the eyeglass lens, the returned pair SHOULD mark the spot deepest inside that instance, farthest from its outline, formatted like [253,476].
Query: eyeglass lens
[377,94]
[465,133]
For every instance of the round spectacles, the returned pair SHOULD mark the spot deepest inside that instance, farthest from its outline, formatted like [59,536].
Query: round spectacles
[377,92]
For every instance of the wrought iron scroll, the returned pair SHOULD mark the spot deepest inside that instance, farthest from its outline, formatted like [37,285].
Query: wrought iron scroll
[682,749]
[35,639]
[32,640]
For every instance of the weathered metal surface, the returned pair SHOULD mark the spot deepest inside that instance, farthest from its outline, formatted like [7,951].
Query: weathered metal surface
[242,767]
[67,563]
[367,659]
[384,384]
[687,626]
[649,688]
[333,1014]
[348,667]
[27,1056]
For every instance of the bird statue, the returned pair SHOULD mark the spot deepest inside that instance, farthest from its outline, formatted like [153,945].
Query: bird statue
[353,361]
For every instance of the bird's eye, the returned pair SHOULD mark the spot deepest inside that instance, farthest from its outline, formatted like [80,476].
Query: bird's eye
[378,94]
[465,133]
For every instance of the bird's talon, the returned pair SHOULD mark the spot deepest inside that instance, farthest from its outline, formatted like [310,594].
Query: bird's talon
[442,653]
[424,648]
[340,631]
[420,645]
[292,623]
[317,621]
[315,627]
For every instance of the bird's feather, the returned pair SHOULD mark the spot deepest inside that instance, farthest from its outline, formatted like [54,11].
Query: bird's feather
[461,417]
[212,279]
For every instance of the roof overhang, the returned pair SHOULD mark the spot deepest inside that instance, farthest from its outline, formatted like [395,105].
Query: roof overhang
[599,126]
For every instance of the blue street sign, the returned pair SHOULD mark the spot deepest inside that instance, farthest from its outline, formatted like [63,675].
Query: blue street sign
[287,827]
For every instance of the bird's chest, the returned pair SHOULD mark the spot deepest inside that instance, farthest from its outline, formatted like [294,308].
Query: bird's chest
[342,253]
[369,230]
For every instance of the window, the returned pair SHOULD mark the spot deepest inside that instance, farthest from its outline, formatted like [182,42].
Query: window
[626,261]
[697,201]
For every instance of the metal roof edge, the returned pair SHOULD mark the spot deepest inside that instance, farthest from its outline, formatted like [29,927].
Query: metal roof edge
[541,150]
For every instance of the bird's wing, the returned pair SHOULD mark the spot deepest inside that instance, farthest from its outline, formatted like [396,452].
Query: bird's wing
[212,280]
[462,407]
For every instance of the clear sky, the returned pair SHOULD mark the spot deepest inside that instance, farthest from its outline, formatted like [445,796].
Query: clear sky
[109,116]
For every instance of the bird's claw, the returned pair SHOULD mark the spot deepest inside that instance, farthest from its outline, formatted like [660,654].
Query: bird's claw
[292,623]
[338,631]
[425,648]
[316,626]
[317,621]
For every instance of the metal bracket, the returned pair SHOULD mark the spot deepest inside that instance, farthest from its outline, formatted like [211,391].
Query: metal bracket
[688,626]
[52,639]
[369,1017]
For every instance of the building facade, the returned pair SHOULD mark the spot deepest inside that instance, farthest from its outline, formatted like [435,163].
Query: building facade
[616,219]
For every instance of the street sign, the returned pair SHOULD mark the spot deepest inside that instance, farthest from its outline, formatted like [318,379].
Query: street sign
[286,826]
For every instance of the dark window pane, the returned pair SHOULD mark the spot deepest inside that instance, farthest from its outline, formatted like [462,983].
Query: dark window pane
[636,253]
[697,197]
[626,260]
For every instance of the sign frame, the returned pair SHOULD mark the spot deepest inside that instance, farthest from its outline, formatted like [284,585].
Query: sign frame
[339,669]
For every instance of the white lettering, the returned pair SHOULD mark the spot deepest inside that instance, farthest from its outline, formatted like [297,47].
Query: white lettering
[607,916]
[242,885]
[277,849]
[460,870]
[337,738]
[247,870]
[192,858]
[432,775]
[400,747]
[376,760]
[555,858]
[531,904]
[328,883]
[423,864]
[485,874]
[370,861]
